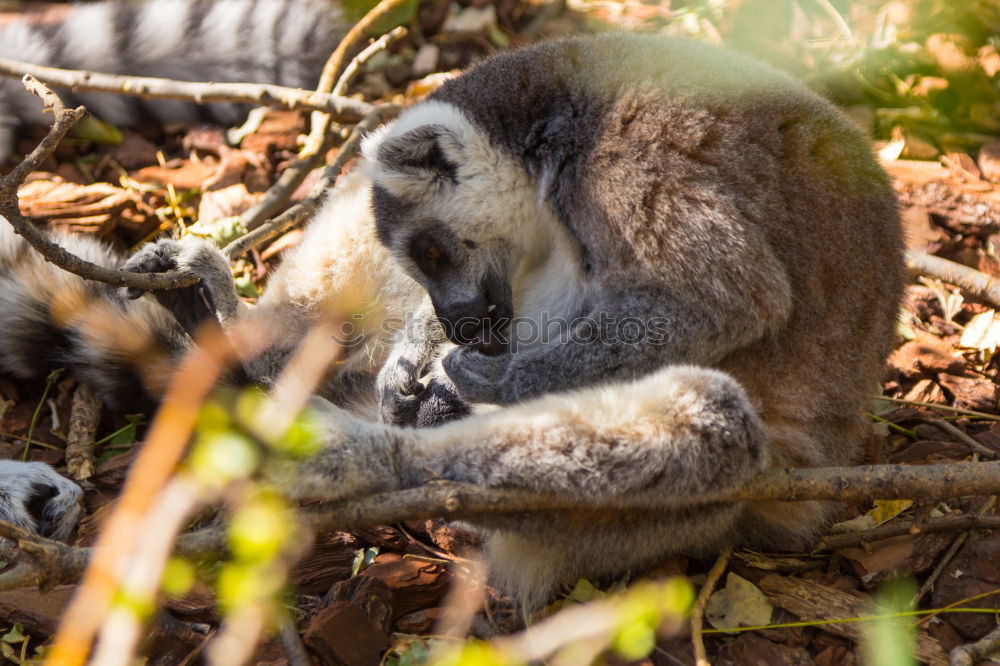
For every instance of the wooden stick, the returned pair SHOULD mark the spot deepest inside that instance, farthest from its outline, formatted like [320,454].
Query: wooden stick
[698,613]
[50,250]
[969,279]
[260,94]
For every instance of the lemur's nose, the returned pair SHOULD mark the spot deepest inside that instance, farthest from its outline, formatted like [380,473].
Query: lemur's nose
[464,320]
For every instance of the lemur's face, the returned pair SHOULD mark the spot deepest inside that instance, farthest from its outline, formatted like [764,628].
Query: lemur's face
[468,279]
[452,211]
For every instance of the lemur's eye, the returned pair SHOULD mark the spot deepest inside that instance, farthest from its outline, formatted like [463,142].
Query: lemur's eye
[470,244]
[428,255]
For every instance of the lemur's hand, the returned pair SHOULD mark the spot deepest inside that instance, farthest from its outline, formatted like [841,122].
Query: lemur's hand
[399,389]
[478,377]
[191,305]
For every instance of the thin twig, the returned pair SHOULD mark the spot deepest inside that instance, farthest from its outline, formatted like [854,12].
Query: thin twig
[950,523]
[353,67]
[295,651]
[969,279]
[953,549]
[50,250]
[259,94]
[945,408]
[84,418]
[698,612]
[963,437]
[303,210]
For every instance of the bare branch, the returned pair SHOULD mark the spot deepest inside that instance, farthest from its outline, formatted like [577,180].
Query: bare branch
[698,614]
[969,279]
[335,63]
[345,108]
[50,250]
[303,210]
[452,500]
[320,136]
[949,523]
[48,562]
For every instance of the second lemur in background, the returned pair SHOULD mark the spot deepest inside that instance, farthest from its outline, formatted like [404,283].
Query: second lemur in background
[283,42]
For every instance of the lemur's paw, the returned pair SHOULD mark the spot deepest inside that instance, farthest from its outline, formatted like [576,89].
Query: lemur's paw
[440,403]
[34,497]
[476,376]
[157,257]
[399,388]
[416,393]
[195,304]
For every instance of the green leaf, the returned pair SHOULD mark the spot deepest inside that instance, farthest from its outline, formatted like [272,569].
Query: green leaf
[15,635]
[94,129]
[363,559]
[220,457]
[245,286]
[260,529]
[888,641]
[178,577]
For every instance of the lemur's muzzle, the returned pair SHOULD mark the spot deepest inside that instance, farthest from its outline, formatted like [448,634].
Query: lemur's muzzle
[479,323]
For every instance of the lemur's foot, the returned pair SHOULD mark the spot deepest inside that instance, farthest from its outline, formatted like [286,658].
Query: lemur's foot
[34,497]
[212,297]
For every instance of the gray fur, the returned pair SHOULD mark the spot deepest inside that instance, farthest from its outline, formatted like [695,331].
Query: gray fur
[35,498]
[677,433]
[627,176]
[268,41]
[50,318]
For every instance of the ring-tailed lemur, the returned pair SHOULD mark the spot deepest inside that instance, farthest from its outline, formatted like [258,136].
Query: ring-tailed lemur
[267,41]
[703,263]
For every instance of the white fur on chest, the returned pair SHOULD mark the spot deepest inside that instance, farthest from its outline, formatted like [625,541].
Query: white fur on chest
[551,293]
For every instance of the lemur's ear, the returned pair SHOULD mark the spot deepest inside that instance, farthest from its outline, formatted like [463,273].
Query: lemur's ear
[429,150]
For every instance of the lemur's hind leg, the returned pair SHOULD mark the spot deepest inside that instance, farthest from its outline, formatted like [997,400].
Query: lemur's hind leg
[212,297]
[36,498]
[667,443]
[680,433]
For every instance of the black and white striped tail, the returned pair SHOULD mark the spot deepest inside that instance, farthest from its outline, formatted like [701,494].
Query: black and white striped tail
[273,41]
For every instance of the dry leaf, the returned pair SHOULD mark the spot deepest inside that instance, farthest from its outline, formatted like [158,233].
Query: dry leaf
[226,202]
[886,510]
[90,208]
[982,332]
[739,604]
